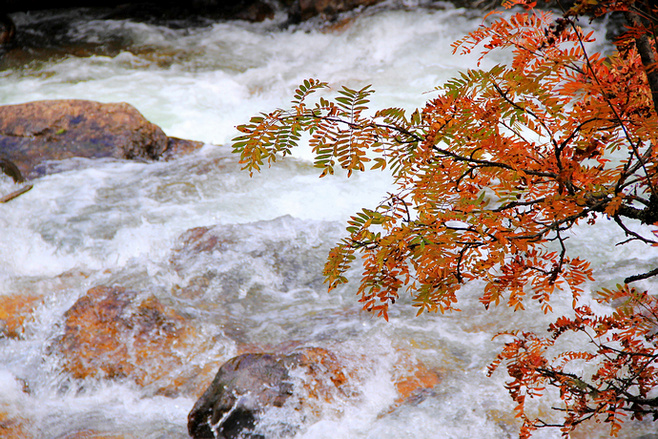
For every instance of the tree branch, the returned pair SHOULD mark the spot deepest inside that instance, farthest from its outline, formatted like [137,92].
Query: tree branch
[642,276]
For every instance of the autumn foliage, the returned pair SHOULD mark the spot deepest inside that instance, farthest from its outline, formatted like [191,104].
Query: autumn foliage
[489,176]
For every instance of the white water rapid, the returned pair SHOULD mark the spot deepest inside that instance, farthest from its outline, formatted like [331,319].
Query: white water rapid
[117,223]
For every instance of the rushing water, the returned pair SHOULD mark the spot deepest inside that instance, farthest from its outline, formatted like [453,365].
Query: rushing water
[108,222]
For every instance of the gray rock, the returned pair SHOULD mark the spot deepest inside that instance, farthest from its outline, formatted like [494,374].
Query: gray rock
[247,385]
[241,389]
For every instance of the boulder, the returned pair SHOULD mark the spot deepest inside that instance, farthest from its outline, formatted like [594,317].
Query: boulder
[246,385]
[113,333]
[34,133]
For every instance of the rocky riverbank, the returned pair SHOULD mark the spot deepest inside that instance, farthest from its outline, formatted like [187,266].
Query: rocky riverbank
[116,334]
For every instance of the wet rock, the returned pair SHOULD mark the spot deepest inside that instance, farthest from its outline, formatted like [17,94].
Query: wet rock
[34,133]
[177,147]
[256,11]
[217,264]
[112,333]
[415,378]
[13,427]
[15,310]
[247,385]
[302,10]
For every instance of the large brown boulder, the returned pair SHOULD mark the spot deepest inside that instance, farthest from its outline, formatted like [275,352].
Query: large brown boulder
[35,133]
[246,385]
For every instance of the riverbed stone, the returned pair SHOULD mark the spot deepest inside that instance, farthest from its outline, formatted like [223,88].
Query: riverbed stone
[15,311]
[36,133]
[302,10]
[414,378]
[13,427]
[217,264]
[248,384]
[115,333]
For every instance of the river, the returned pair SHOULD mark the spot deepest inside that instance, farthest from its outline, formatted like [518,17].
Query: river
[118,223]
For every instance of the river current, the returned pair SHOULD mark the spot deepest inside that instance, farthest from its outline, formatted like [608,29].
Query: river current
[118,223]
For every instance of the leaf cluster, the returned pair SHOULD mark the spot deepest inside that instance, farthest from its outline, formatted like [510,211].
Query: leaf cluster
[621,346]
[340,132]
[490,177]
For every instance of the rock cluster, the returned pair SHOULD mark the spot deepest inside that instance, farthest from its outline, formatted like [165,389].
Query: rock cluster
[115,333]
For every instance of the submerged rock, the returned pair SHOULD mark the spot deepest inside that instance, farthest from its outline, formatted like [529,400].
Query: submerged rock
[13,427]
[257,258]
[15,310]
[111,333]
[34,133]
[413,380]
[247,385]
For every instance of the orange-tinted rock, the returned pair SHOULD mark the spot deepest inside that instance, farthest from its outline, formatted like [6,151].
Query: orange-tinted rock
[11,427]
[194,241]
[34,133]
[14,310]
[415,378]
[321,365]
[411,376]
[111,334]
